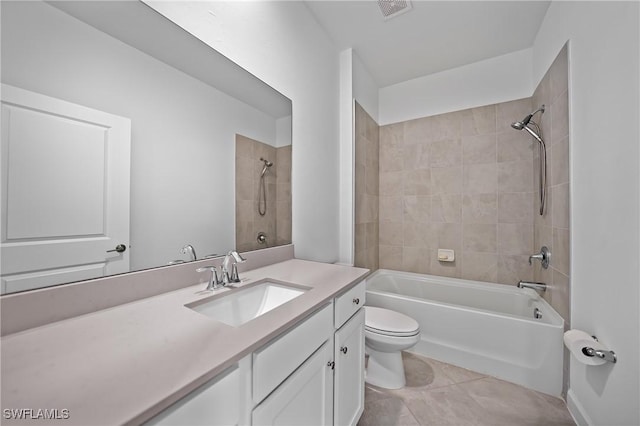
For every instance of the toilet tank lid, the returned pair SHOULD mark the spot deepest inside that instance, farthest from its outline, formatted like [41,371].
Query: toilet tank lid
[388,320]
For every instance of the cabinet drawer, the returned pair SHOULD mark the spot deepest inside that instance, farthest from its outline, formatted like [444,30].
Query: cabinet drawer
[348,303]
[276,361]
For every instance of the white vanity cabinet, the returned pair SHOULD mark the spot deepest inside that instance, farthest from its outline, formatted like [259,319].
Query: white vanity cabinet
[220,401]
[348,398]
[313,374]
[305,398]
[277,360]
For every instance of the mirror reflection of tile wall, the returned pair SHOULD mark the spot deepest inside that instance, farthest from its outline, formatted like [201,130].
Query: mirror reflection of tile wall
[366,189]
[275,224]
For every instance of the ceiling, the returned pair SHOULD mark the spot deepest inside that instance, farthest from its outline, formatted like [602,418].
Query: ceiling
[433,36]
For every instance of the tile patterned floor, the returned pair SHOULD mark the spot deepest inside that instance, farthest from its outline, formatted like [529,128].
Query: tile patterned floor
[443,394]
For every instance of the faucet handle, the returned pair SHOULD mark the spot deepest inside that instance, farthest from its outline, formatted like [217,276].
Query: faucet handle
[543,257]
[225,278]
[235,278]
[214,282]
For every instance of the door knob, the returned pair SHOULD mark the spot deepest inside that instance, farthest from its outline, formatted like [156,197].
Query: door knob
[344,349]
[119,248]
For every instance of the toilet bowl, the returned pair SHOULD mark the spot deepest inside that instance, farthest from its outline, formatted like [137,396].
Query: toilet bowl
[386,334]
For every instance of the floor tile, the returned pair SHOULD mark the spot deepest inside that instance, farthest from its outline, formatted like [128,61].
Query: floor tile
[457,374]
[505,403]
[444,406]
[442,394]
[373,394]
[388,412]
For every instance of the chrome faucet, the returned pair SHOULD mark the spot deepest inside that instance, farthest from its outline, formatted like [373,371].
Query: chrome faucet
[237,258]
[188,249]
[214,282]
[533,285]
[543,256]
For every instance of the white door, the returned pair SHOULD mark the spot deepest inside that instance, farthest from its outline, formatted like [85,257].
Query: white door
[349,374]
[305,398]
[65,191]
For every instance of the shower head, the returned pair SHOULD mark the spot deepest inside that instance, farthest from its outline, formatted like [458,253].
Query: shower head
[267,164]
[519,125]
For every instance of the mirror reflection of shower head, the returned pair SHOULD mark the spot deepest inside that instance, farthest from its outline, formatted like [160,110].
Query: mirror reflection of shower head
[267,164]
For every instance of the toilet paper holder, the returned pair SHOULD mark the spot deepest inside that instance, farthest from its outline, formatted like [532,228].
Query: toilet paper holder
[609,356]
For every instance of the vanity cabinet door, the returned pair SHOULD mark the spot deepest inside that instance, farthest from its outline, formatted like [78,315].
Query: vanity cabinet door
[305,398]
[217,402]
[349,371]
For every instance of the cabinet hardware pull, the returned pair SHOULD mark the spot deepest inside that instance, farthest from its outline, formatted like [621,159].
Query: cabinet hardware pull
[331,364]
[356,300]
[343,349]
[119,248]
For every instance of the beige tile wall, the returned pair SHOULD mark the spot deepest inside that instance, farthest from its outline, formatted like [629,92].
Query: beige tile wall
[283,195]
[276,223]
[366,189]
[461,181]
[467,181]
[552,229]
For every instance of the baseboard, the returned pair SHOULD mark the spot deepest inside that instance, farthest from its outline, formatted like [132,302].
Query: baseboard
[577,410]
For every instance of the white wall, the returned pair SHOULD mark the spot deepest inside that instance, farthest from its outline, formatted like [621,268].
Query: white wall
[183,131]
[282,44]
[605,213]
[365,89]
[347,160]
[499,79]
[283,132]
[355,83]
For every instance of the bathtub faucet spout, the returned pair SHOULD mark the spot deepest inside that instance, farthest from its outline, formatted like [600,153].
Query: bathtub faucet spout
[533,285]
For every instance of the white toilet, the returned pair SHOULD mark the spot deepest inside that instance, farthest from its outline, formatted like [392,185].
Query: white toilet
[386,334]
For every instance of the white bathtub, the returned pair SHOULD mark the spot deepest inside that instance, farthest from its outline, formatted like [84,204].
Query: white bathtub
[484,327]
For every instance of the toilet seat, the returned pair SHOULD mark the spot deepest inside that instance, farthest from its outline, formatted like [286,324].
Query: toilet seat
[389,323]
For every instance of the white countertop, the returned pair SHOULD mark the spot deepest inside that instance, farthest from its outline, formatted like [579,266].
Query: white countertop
[124,364]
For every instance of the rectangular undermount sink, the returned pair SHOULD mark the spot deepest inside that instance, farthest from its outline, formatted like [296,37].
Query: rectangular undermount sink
[245,304]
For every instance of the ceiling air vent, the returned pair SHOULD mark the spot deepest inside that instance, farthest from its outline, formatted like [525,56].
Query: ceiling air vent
[392,8]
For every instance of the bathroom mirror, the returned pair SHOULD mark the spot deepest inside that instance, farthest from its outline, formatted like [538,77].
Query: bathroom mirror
[126,139]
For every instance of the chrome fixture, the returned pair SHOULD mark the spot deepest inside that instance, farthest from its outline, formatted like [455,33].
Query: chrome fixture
[537,313]
[237,258]
[606,355]
[526,124]
[120,248]
[262,192]
[214,282]
[188,249]
[541,287]
[262,238]
[544,256]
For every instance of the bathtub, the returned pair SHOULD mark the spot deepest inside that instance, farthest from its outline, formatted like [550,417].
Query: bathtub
[484,327]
